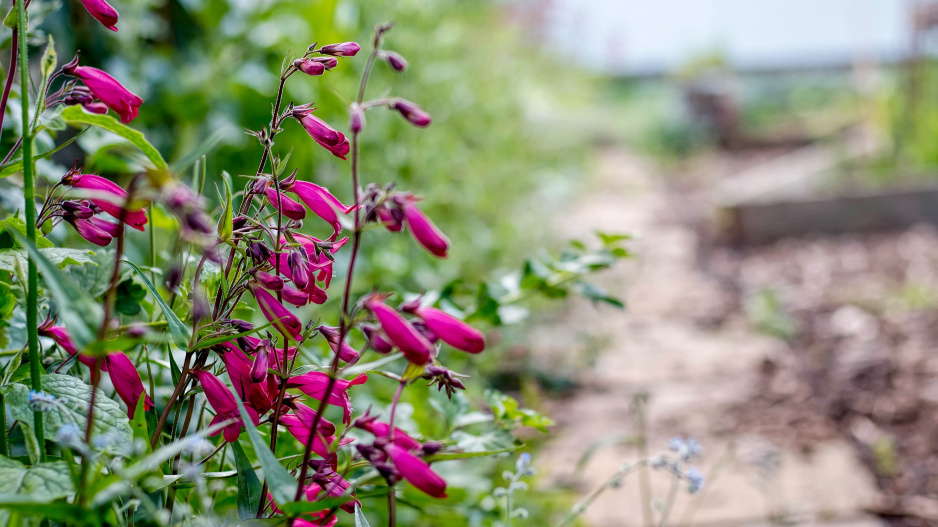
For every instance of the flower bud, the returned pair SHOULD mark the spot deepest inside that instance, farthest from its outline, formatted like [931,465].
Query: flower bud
[78,209]
[356,118]
[95,107]
[395,60]
[294,296]
[392,218]
[299,268]
[309,67]
[268,281]
[425,231]
[259,186]
[328,62]
[239,222]
[411,112]
[173,277]
[261,361]
[240,325]
[259,252]
[344,49]
[378,340]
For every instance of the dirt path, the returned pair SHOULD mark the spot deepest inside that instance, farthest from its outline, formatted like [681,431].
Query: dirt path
[667,345]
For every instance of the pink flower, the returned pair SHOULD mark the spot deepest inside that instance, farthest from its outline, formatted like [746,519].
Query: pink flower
[378,340]
[224,404]
[109,91]
[382,429]
[346,352]
[393,219]
[322,203]
[136,218]
[294,296]
[330,139]
[424,231]
[299,268]
[344,49]
[417,349]
[61,337]
[309,66]
[90,232]
[261,363]
[113,229]
[240,368]
[126,381]
[277,314]
[416,471]
[451,330]
[268,281]
[314,384]
[322,443]
[102,12]
[96,107]
[287,206]
[311,519]
[413,113]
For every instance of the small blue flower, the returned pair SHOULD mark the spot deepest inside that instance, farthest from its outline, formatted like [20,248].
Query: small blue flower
[695,480]
[40,401]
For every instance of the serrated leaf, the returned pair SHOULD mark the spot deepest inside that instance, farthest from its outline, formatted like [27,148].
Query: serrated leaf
[73,397]
[281,484]
[76,115]
[249,486]
[179,331]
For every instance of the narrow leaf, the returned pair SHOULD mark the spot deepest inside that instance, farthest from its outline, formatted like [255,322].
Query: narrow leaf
[281,484]
[249,487]
[177,329]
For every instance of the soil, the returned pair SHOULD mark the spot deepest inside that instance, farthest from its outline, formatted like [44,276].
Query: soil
[806,368]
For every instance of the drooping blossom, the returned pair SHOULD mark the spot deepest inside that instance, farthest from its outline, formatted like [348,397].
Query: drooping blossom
[417,349]
[126,381]
[136,218]
[451,330]
[256,394]
[111,228]
[378,340]
[346,352]
[330,139]
[268,281]
[413,113]
[278,315]
[287,206]
[294,296]
[381,429]
[322,203]
[425,232]
[62,338]
[106,89]
[314,384]
[89,231]
[224,404]
[416,471]
[344,49]
[322,442]
[102,12]
[309,66]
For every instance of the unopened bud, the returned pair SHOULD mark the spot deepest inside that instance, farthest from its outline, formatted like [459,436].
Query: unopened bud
[412,112]
[344,49]
[395,60]
[309,67]
[356,118]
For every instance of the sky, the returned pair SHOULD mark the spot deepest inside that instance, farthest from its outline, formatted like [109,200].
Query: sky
[652,36]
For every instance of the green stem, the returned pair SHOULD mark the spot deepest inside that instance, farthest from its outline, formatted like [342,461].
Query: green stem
[4,449]
[29,194]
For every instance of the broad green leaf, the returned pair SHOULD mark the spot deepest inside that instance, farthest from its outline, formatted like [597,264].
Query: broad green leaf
[281,484]
[17,224]
[177,329]
[129,296]
[58,256]
[76,115]
[75,308]
[72,398]
[249,487]
[43,482]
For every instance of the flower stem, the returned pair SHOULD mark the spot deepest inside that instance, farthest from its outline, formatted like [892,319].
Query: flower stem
[14,49]
[29,193]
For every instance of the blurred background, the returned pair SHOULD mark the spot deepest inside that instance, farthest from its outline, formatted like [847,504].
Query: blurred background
[776,163]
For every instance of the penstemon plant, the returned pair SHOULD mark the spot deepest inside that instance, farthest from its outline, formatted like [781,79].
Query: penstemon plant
[221,389]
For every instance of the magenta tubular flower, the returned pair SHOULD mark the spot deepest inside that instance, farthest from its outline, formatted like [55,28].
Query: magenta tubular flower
[417,349]
[240,368]
[224,404]
[451,330]
[344,49]
[424,231]
[113,229]
[126,381]
[393,219]
[293,296]
[287,206]
[321,518]
[314,384]
[382,429]
[378,340]
[413,113]
[261,363]
[301,431]
[299,269]
[61,337]
[278,315]
[96,107]
[334,486]
[136,218]
[416,471]
[268,281]
[90,232]
[345,351]
[330,139]
[322,203]
[102,12]
[309,66]
[106,89]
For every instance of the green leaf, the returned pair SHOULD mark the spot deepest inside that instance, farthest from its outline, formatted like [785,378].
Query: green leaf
[37,507]
[129,295]
[7,300]
[208,343]
[72,398]
[281,484]
[596,294]
[60,257]
[76,309]
[360,520]
[17,224]
[249,487]
[225,226]
[46,67]
[177,329]
[16,165]
[43,482]
[510,416]
[490,443]
[139,424]
[76,115]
